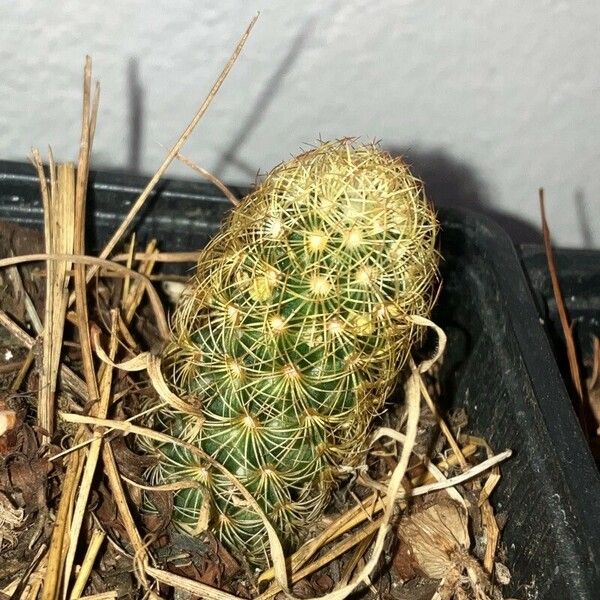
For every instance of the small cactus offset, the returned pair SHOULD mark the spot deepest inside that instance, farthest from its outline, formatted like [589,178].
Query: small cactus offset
[290,337]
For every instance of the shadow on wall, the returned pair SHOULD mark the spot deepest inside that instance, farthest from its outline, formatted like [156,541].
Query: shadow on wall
[267,94]
[452,183]
[135,99]
[448,181]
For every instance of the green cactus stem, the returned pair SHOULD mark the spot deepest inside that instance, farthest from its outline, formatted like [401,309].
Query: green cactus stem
[291,335]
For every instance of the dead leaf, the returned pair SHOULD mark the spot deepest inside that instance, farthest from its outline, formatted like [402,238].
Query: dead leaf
[432,536]
[29,478]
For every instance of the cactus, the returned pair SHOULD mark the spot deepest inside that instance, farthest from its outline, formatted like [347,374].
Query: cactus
[291,335]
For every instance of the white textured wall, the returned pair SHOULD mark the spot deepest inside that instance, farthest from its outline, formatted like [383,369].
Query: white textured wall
[489,99]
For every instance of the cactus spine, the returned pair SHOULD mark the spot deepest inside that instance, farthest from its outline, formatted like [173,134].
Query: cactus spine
[291,335]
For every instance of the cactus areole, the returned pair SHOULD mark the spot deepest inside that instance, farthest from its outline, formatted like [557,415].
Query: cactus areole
[289,338]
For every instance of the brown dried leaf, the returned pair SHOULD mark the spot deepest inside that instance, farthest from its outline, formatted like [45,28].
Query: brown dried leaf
[230,566]
[322,583]
[107,511]
[405,566]
[432,536]
[159,520]
[29,478]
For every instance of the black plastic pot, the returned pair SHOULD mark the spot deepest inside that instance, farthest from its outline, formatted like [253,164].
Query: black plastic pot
[579,275]
[499,366]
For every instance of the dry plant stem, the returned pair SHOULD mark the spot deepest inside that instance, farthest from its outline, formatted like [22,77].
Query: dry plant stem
[492,535]
[59,233]
[358,555]
[34,590]
[167,257]
[130,255]
[93,454]
[564,318]
[128,338]
[207,175]
[116,237]
[60,531]
[88,563]
[18,380]
[443,426]
[87,126]
[489,523]
[75,384]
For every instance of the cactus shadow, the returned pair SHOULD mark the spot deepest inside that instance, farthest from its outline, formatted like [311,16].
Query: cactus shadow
[450,182]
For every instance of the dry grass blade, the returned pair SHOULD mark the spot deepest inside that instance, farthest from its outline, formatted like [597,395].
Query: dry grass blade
[492,535]
[356,558]
[134,295]
[88,125]
[564,318]
[443,425]
[20,377]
